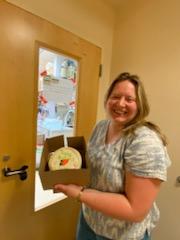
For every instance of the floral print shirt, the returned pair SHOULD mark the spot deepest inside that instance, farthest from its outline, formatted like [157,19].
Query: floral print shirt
[143,154]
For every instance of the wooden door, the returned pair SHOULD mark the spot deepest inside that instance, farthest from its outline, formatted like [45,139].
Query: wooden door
[21,34]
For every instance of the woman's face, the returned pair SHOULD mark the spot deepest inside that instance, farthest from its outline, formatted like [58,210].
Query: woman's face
[121,105]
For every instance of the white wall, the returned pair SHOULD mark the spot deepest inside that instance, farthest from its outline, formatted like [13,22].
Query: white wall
[147,42]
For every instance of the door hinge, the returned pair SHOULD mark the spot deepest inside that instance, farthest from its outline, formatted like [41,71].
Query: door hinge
[100,70]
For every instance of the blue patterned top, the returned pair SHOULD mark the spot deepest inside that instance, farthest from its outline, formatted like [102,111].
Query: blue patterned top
[144,155]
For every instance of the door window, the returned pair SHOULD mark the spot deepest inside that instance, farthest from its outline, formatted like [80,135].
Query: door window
[56,113]
[57,90]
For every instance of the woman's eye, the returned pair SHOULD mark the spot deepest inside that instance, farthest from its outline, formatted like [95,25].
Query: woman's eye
[130,99]
[127,99]
[115,97]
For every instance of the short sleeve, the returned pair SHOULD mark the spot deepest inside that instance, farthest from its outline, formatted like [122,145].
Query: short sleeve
[146,156]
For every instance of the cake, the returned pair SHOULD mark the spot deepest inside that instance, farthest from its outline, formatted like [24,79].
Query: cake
[65,158]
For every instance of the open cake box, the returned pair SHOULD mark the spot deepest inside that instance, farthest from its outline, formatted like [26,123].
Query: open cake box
[64,176]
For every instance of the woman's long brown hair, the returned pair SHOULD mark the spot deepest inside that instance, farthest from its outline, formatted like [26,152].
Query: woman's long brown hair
[142,104]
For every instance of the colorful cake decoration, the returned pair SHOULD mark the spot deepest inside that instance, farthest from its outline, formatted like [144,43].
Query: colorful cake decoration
[65,158]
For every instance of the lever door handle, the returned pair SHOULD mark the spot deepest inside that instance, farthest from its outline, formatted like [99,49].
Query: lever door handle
[21,172]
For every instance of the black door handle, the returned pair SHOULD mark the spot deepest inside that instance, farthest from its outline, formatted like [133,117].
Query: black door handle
[21,172]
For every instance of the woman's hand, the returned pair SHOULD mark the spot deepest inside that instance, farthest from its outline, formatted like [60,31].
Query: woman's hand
[70,190]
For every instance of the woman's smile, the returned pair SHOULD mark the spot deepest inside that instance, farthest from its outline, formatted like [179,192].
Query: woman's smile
[121,105]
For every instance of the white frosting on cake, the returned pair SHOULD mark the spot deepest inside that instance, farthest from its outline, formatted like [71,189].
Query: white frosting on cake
[65,158]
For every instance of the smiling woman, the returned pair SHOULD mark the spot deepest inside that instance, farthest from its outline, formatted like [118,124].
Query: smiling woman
[129,162]
[121,105]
